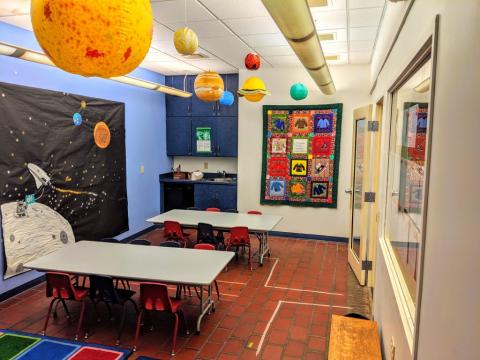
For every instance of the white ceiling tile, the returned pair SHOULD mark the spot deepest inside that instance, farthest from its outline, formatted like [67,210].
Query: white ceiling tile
[268,51]
[330,47]
[227,48]
[360,4]
[332,5]
[254,25]
[358,46]
[284,61]
[365,17]
[14,7]
[161,33]
[360,57]
[174,11]
[155,55]
[22,21]
[203,29]
[363,33]
[212,65]
[235,9]
[330,20]
[265,40]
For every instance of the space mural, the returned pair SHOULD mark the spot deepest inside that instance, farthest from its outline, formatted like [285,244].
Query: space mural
[62,171]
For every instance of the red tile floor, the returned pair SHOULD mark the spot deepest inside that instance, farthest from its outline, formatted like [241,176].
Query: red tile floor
[279,311]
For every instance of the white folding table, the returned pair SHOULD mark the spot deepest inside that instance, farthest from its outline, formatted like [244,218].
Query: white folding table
[141,263]
[258,224]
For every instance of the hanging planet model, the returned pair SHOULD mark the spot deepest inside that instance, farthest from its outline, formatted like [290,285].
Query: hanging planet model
[253,89]
[252,61]
[208,86]
[298,91]
[185,41]
[227,98]
[91,37]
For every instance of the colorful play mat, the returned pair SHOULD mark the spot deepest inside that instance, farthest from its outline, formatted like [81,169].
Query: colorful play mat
[24,346]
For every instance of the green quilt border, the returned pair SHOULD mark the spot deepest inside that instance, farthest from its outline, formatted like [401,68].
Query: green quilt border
[336,163]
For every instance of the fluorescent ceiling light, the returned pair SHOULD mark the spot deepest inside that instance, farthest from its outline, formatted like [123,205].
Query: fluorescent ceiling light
[332,57]
[294,20]
[37,57]
[317,3]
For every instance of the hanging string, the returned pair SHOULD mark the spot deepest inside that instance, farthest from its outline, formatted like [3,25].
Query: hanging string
[185,82]
[185,12]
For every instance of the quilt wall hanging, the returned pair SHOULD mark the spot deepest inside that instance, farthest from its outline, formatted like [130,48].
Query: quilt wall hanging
[62,171]
[301,153]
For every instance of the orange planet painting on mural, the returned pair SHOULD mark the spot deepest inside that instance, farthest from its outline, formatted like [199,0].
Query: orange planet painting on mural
[101,135]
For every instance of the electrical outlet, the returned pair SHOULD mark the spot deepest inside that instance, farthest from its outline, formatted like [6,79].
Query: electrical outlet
[205,165]
[392,348]
[142,169]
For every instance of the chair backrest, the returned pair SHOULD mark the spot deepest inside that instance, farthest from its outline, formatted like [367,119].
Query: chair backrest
[172,230]
[170,243]
[204,247]
[140,242]
[103,289]
[110,240]
[154,296]
[205,233]
[193,208]
[213,209]
[254,212]
[59,285]
[239,236]
[231,210]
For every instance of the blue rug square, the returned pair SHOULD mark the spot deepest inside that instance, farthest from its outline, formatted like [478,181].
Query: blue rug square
[49,350]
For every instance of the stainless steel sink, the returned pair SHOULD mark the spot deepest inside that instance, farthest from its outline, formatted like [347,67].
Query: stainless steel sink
[224,180]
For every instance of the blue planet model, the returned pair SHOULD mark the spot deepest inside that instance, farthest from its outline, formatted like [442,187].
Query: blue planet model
[77,119]
[298,91]
[227,98]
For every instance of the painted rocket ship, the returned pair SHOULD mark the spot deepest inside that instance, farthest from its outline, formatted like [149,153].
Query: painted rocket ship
[40,176]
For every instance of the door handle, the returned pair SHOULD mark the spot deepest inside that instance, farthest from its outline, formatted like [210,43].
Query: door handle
[395,193]
[349,191]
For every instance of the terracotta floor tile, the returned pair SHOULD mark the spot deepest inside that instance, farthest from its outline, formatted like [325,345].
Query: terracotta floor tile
[316,343]
[234,346]
[278,337]
[272,352]
[210,350]
[295,348]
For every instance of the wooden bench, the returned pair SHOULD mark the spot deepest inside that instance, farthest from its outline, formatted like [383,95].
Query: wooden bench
[353,339]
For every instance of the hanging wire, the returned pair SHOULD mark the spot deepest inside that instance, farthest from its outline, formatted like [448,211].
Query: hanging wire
[185,12]
[185,82]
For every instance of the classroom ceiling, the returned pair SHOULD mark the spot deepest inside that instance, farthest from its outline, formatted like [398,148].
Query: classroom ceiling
[229,29]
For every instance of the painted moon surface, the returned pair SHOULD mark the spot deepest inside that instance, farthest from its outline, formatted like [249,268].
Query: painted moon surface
[40,232]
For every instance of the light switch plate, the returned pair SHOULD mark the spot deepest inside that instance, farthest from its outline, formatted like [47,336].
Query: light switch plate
[142,169]
[205,165]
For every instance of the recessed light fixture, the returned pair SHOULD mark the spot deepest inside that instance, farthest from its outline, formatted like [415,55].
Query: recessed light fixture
[327,36]
[332,57]
[317,3]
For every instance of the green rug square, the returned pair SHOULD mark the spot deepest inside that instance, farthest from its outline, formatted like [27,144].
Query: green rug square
[12,345]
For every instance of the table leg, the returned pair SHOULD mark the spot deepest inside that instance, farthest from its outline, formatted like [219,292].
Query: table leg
[206,304]
[264,248]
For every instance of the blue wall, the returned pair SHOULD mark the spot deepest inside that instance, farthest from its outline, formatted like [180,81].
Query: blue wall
[144,123]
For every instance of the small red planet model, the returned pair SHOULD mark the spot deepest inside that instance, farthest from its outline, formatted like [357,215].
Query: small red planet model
[252,61]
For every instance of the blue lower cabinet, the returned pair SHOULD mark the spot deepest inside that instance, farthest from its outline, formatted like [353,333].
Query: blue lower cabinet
[219,196]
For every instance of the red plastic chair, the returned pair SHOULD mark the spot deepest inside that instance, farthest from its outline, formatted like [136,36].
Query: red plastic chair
[205,246]
[173,231]
[254,212]
[154,297]
[213,209]
[240,237]
[60,287]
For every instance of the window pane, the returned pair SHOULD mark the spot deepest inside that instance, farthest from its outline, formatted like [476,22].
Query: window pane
[406,181]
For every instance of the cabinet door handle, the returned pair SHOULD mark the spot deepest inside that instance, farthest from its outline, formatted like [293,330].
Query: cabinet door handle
[218,108]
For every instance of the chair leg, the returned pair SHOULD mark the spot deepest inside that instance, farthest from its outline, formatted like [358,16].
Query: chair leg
[65,308]
[80,320]
[185,323]
[218,291]
[175,330]
[137,330]
[250,257]
[122,324]
[48,316]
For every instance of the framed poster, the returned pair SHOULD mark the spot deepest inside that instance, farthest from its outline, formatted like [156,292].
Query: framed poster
[301,153]
[204,139]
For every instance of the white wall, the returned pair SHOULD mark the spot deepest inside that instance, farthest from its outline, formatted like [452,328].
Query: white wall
[449,323]
[352,91]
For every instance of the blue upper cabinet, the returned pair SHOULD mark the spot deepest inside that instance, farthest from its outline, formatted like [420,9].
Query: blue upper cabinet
[178,106]
[198,146]
[231,84]
[179,129]
[227,136]
[184,115]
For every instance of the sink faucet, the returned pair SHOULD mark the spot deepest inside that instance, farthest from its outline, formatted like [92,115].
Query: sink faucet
[223,173]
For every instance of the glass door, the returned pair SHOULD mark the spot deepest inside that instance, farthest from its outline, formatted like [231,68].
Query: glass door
[359,211]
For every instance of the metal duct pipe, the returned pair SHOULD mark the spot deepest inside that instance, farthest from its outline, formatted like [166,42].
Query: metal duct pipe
[294,20]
